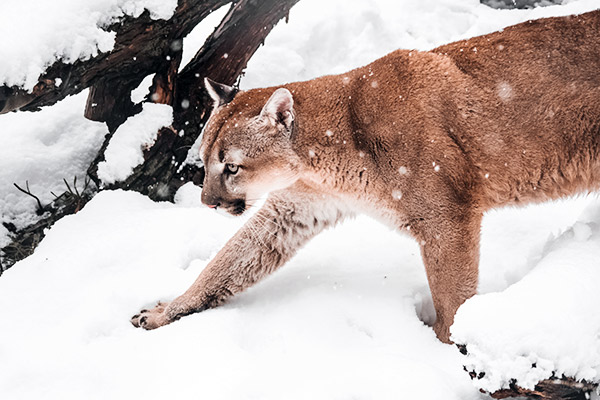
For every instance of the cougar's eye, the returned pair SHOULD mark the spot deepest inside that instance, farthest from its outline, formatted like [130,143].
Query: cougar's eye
[232,168]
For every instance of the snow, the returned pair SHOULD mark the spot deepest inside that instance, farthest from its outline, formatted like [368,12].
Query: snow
[346,318]
[139,94]
[159,9]
[125,150]
[43,148]
[276,338]
[310,46]
[548,318]
[36,35]
[197,37]
[340,320]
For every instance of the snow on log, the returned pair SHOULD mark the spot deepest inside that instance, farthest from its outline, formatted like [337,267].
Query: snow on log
[539,337]
[125,150]
[123,42]
[70,31]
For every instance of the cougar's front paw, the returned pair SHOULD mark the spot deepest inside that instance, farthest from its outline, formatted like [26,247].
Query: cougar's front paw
[151,319]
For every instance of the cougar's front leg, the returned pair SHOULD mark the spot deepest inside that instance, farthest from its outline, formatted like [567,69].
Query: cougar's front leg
[271,237]
[450,249]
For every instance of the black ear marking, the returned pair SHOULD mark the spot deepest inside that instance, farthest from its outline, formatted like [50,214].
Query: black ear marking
[220,93]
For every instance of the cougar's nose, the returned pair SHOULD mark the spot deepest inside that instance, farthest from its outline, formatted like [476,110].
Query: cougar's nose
[213,204]
[210,201]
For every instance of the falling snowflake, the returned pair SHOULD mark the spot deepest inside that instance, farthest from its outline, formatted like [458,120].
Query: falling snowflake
[504,91]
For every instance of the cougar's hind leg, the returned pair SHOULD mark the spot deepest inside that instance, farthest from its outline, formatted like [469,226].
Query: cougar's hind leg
[450,250]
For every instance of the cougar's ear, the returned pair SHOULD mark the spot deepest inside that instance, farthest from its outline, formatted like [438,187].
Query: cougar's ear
[280,108]
[220,93]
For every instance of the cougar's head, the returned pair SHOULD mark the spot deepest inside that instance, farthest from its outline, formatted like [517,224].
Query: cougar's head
[246,147]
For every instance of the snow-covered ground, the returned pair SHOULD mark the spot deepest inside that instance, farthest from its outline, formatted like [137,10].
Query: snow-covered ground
[344,319]
[42,149]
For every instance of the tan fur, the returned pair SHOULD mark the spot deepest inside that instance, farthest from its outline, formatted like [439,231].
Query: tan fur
[424,141]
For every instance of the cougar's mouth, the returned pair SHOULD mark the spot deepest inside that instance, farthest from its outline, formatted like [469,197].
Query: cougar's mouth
[231,208]
[238,207]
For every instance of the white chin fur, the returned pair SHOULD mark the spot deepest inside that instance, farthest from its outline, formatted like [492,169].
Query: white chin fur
[253,207]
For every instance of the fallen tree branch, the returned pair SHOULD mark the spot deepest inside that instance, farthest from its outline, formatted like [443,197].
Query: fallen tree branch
[139,44]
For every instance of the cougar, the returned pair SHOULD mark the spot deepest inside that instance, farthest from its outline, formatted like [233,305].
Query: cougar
[425,141]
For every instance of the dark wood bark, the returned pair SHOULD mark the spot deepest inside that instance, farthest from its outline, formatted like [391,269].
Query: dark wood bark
[550,389]
[109,100]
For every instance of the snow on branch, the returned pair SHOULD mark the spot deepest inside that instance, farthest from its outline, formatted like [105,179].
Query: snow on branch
[135,41]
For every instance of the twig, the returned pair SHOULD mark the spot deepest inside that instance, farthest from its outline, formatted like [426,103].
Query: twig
[55,196]
[75,186]
[41,209]
[86,183]
[68,187]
